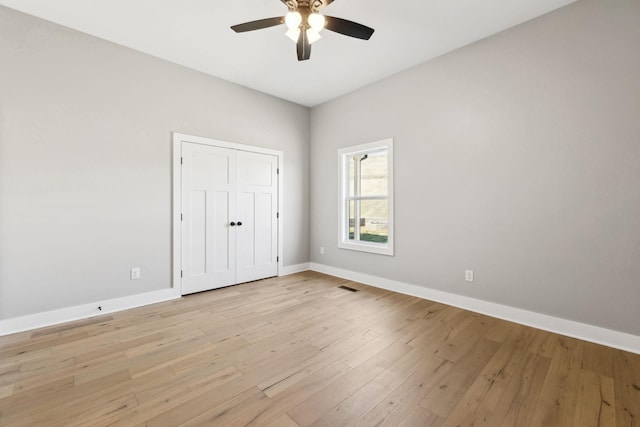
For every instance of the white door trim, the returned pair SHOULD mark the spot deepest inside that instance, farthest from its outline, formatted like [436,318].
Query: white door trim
[176,194]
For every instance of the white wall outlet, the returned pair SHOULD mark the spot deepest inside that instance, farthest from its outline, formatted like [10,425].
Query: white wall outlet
[321,250]
[468,275]
[135,273]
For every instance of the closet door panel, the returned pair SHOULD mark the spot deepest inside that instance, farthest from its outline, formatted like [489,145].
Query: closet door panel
[257,211]
[208,204]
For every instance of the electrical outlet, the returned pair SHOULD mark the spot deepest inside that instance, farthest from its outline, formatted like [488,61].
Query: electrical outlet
[135,273]
[321,250]
[468,275]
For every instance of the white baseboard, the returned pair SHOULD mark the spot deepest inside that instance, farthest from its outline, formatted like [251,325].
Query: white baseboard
[40,320]
[292,269]
[595,334]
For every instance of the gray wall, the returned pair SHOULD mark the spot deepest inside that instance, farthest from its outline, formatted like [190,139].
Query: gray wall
[85,162]
[517,157]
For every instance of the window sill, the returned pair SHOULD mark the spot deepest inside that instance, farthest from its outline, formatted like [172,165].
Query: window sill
[370,248]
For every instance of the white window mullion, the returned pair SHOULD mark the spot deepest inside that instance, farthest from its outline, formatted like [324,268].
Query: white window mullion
[356,194]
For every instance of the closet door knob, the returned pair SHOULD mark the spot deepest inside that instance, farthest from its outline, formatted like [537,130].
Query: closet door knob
[233,224]
[239,223]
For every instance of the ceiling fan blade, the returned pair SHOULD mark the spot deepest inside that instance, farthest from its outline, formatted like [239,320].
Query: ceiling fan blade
[258,25]
[303,47]
[348,28]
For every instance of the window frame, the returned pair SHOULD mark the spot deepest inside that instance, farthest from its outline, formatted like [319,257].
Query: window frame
[344,198]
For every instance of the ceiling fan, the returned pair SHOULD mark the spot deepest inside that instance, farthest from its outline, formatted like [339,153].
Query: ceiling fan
[304,23]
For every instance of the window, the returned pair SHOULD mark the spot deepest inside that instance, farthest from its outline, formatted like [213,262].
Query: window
[366,197]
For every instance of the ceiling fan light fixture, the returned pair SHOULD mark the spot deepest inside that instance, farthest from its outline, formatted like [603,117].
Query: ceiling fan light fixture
[293,20]
[313,36]
[304,23]
[293,34]
[316,21]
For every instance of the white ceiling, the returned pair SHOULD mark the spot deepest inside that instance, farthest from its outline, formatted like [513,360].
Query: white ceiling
[196,34]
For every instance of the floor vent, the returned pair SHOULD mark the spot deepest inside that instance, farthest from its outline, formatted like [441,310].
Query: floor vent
[346,288]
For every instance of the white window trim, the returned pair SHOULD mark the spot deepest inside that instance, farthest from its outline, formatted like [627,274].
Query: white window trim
[343,183]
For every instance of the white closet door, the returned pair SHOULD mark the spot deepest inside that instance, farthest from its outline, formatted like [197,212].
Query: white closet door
[257,237]
[229,222]
[208,207]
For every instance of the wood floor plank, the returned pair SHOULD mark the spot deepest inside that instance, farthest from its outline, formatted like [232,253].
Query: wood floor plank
[482,397]
[74,327]
[557,402]
[499,331]
[226,413]
[298,351]
[19,351]
[406,366]
[41,392]
[408,394]
[6,390]
[117,348]
[201,403]
[421,417]
[293,395]
[313,408]
[339,350]
[595,401]
[164,385]
[213,354]
[103,404]
[9,374]
[440,326]
[286,378]
[63,369]
[282,421]
[521,394]
[463,338]
[626,376]
[50,407]
[598,359]
[348,411]
[443,398]
[167,397]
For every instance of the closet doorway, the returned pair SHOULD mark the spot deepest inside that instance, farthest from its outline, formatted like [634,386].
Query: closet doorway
[226,213]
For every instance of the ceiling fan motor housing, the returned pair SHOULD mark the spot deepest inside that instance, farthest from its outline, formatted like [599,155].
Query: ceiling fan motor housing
[311,6]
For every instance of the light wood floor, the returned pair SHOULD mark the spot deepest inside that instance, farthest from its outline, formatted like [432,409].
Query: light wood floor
[299,350]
